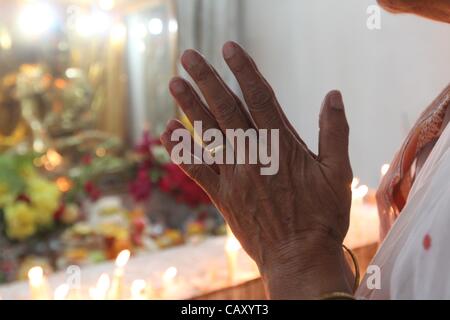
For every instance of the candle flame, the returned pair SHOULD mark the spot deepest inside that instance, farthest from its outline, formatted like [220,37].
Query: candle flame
[355,183]
[232,244]
[101,289]
[138,289]
[122,258]
[360,192]
[36,275]
[169,274]
[61,292]
[384,169]
[103,282]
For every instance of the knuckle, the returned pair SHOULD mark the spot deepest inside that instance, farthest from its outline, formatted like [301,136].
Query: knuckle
[336,130]
[259,97]
[224,110]
[201,73]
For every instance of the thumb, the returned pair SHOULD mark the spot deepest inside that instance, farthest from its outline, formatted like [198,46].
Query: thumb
[334,133]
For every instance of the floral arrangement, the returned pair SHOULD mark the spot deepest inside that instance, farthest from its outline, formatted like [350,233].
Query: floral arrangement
[175,182]
[168,177]
[29,203]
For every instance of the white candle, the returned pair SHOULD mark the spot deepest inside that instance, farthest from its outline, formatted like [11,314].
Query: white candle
[168,281]
[61,292]
[138,290]
[117,282]
[38,284]
[100,291]
[358,192]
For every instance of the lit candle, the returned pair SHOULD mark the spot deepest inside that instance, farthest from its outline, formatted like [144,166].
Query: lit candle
[168,281]
[232,247]
[117,282]
[138,290]
[38,284]
[99,292]
[61,292]
[358,192]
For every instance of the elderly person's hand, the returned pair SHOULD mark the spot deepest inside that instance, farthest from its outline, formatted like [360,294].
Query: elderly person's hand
[292,223]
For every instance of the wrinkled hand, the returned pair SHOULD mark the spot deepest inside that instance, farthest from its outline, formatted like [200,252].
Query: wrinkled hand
[292,223]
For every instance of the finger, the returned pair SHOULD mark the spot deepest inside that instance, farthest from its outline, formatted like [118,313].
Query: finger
[334,134]
[285,120]
[191,104]
[283,115]
[222,104]
[258,94]
[202,174]
[241,106]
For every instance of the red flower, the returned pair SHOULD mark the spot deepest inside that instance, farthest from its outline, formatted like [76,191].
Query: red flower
[92,191]
[86,159]
[23,197]
[141,187]
[138,228]
[147,142]
[177,183]
[57,215]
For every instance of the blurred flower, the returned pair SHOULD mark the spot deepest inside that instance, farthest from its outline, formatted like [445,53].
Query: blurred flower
[28,171]
[138,226]
[145,145]
[177,183]
[70,214]
[86,159]
[140,188]
[20,221]
[6,197]
[45,199]
[23,197]
[93,192]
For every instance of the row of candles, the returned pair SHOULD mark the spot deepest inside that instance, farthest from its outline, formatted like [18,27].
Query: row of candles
[107,288]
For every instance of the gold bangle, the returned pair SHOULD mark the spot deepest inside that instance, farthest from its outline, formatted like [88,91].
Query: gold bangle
[338,296]
[355,262]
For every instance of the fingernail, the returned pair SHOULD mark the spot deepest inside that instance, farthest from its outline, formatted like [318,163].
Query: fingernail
[191,58]
[336,100]
[177,86]
[229,50]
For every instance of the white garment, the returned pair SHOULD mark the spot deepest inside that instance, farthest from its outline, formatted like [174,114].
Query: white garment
[414,259]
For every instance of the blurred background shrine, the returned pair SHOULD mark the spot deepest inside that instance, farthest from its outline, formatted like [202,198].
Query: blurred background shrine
[83,99]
